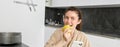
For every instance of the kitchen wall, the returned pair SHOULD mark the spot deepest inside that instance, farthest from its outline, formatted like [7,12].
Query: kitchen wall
[15,17]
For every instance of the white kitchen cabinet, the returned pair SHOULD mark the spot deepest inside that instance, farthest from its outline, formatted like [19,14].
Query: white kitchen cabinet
[48,32]
[104,3]
[48,3]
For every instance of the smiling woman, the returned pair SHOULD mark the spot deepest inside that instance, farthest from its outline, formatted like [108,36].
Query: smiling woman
[62,38]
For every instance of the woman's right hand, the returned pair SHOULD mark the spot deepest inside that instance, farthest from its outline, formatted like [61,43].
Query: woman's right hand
[68,34]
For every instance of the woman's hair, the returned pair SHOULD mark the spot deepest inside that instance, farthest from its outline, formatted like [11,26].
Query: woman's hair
[78,27]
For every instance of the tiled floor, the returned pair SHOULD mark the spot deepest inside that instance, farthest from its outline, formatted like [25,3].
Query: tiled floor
[96,40]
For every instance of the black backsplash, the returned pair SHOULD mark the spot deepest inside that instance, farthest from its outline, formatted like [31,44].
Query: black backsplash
[103,20]
[55,14]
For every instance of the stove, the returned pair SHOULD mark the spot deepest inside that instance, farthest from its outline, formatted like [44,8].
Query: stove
[17,45]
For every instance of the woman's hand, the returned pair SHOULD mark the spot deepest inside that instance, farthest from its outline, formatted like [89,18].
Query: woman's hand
[68,34]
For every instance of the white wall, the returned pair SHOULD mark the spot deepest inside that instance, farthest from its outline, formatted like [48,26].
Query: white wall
[18,18]
[57,3]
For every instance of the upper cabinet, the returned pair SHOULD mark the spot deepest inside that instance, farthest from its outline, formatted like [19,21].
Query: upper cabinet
[48,3]
[85,3]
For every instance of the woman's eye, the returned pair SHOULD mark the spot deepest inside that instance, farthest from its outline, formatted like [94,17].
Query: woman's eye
[66,17]
[72,18]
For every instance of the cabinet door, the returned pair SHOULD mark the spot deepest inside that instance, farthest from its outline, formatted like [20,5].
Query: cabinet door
[62,3]
[48,3]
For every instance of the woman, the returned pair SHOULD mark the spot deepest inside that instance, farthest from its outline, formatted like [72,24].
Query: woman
[61,38]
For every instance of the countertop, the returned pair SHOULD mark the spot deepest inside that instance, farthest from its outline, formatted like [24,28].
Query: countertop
[20,45]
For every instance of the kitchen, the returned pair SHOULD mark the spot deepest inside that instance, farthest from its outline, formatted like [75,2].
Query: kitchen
[30,20]
[100,21]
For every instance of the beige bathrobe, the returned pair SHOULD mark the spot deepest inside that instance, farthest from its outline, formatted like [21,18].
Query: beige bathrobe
[58,35]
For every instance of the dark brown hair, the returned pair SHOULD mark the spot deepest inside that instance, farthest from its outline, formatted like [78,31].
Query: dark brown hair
[78,27]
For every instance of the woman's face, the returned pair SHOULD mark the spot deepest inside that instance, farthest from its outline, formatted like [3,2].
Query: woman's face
[71,18]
